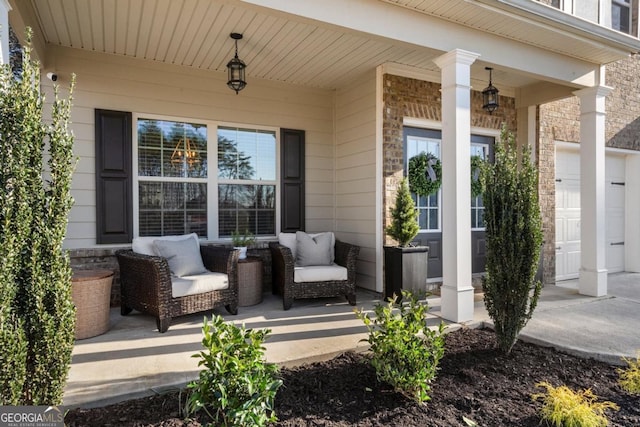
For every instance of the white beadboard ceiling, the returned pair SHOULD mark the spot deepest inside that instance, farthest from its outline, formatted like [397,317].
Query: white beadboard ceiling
[276,46]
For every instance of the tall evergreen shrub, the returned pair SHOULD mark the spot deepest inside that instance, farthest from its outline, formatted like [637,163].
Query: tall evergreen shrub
[513,235]
[404,217]
[37,315]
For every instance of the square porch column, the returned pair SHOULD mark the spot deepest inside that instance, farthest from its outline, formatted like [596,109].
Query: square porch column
[593,270]
[4,31]
[457,291]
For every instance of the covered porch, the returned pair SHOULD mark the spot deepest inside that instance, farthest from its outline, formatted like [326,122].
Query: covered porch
[323,68]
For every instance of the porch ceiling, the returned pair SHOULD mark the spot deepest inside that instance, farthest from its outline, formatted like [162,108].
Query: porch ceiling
[279,46]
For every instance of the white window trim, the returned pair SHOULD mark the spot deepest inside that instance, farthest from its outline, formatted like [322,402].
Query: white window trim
[212,174]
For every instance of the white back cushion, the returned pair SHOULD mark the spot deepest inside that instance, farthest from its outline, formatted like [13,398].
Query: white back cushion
[288,240]
[144,245]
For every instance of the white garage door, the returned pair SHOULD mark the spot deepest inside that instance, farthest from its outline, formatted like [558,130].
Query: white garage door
[568,213]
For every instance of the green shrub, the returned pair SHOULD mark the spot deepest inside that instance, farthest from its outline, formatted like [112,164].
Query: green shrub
[404,217]
[37,315]
[514,237]
[237,387]
[405,351]
[629,378]
[562,407]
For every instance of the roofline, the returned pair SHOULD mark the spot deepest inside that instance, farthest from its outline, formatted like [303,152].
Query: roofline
[547,15]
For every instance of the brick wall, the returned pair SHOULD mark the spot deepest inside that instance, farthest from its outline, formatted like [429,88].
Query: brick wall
[623,104]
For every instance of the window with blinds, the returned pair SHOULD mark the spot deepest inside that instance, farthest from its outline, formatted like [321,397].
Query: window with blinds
[246,181]
[176,192]
[172,178]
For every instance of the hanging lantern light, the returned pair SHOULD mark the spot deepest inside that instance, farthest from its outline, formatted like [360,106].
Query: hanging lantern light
[236,68]
[490,95]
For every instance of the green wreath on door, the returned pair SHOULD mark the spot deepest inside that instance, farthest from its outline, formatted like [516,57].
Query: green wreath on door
[425,174]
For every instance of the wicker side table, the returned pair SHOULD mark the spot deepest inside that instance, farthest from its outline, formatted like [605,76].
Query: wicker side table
[91,292]
[249,281]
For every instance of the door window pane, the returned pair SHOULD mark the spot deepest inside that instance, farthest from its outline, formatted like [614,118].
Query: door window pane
[428,206]
[477,206]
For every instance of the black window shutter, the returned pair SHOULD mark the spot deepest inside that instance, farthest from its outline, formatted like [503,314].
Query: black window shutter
[292,173]
[114,202]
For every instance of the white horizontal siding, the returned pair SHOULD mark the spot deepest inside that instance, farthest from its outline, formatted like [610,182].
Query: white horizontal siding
[355,165]
[146,87]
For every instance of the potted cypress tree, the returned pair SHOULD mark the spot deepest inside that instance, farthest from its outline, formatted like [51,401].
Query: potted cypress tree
[405,265]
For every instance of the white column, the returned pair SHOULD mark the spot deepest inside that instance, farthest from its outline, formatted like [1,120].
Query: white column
[456,291]
[593,271]
[4,31]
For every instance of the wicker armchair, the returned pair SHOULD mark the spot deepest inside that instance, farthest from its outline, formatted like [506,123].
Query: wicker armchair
[145,285]
[283,275]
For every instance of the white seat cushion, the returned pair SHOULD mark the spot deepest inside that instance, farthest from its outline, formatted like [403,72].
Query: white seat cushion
[320,273]
[198,284]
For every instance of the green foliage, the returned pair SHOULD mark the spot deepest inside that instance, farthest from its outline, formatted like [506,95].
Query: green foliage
[629,378]
[562,407]
[404,217]
[514,236]
[406,352]
[242,240]
[476,182]
[237,387]
[419,178]
[37,317]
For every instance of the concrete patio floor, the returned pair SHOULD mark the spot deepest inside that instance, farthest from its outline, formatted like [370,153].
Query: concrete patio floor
[132,359]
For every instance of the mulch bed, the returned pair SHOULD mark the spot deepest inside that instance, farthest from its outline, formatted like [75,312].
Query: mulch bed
[475,381]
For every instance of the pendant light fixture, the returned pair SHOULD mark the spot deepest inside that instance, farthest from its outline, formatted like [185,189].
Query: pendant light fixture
[236,68]
[490,95]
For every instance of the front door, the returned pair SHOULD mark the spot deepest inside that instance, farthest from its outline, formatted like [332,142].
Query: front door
[416,141]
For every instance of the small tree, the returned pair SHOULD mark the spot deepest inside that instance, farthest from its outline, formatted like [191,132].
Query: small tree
[404,217]
[513,235]
[37,317]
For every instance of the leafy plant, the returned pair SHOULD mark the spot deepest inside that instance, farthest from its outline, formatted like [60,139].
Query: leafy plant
[241,240]
[629,378]
[513,236]
[237,387]
[562,407]
[406,352]
[37,315]
[404,217]
[425,174]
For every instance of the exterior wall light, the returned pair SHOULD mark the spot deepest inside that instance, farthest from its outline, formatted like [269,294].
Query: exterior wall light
[236,68]
[490,95]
